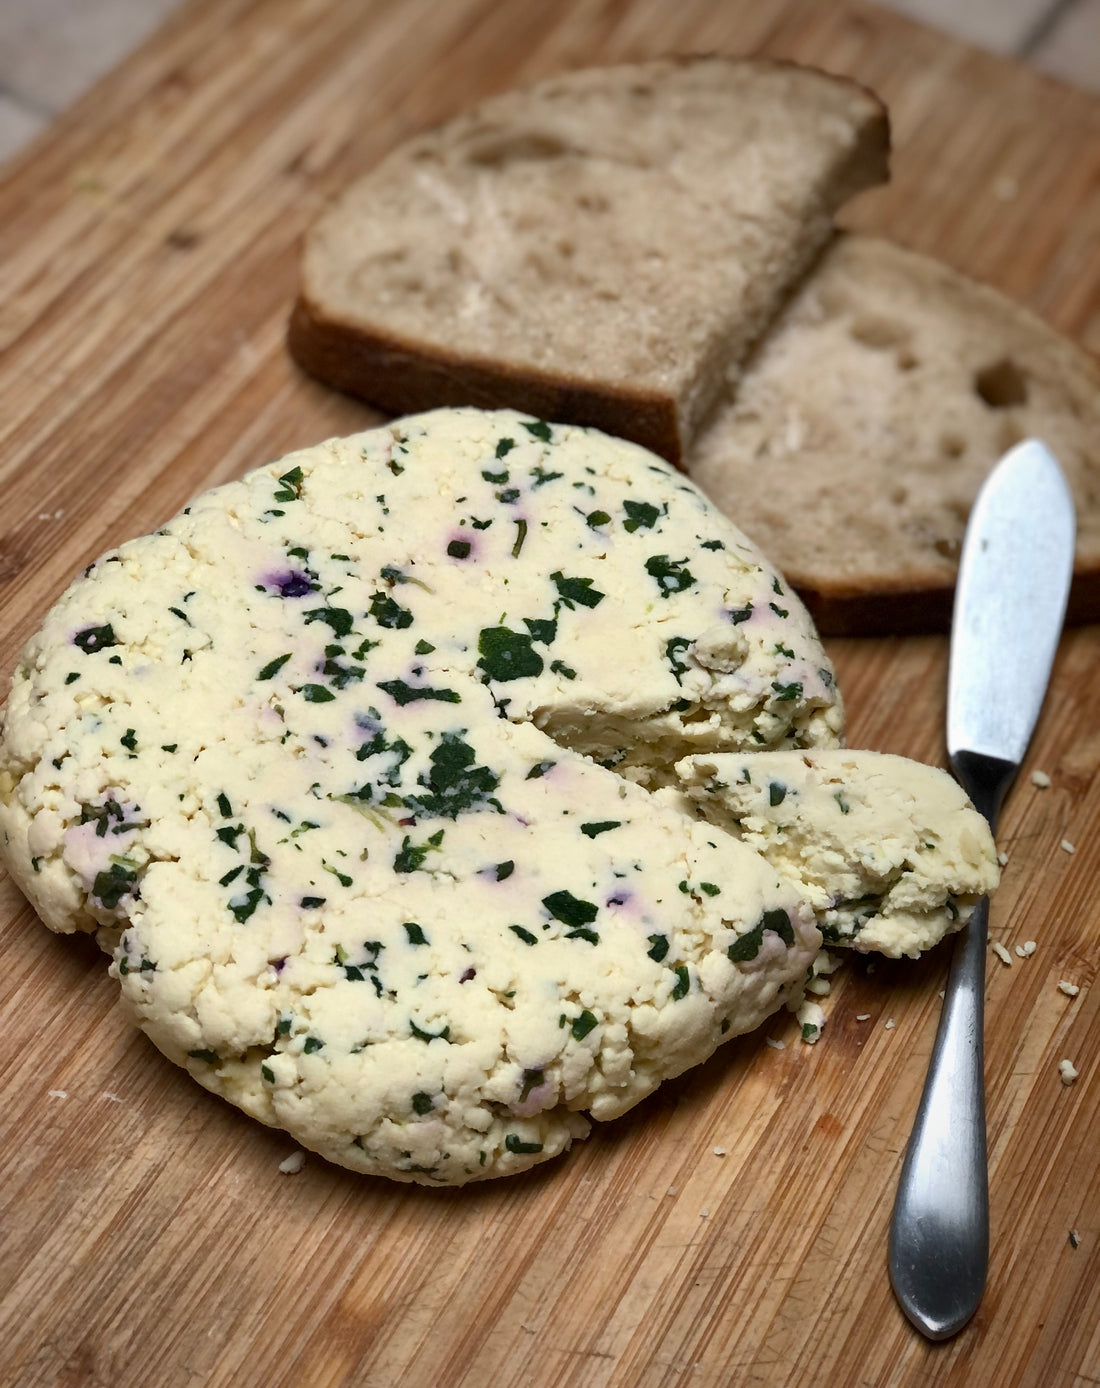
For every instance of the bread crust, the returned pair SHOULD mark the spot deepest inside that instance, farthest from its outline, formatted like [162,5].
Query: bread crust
[404,378]
[919,611]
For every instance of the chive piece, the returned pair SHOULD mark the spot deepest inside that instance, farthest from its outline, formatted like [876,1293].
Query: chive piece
[516,1144]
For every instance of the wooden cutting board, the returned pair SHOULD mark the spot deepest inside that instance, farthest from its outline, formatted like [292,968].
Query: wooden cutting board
[732,1229]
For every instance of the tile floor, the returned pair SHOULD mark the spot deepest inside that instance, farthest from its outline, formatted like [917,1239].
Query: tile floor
[53,50]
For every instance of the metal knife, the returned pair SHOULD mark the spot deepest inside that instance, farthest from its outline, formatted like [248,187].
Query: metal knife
[1010,602]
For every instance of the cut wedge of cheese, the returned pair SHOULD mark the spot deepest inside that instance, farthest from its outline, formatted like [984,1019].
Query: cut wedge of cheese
[885,849]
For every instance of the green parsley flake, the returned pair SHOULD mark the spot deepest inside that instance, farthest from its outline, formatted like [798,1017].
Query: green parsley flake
[576,590]
[569,909]
[671,575]
[583,1024]
[600,826]
[272,668]
[507,655]
[640,514]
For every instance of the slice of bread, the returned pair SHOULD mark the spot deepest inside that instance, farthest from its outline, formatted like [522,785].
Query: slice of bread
[866,420]
[601,248]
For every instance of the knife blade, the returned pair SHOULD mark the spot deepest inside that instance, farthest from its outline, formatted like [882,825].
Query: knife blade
[1014,576]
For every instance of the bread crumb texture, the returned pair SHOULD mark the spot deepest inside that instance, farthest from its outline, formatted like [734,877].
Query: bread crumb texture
[621,233]
[379,774]
[872,411]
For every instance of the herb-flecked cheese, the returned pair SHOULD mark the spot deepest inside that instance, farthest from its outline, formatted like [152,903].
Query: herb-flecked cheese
[361,769]
[889,852]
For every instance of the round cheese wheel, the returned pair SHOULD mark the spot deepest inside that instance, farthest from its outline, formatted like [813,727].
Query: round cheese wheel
[362,769]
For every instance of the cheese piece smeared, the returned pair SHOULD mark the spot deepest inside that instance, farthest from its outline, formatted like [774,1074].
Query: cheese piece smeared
[351,764]
[890,853]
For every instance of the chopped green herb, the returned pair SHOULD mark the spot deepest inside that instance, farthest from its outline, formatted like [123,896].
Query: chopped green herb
[658,947]
[242,909]
[455,783]
[272,668]
[542,629]
[583,1024]
[779,922]
[777,793]
[388,613]
[541,430]
[507,655]
[338,618]
[674,648]
[421,1102]
[569,909]
[524,935]
[410,856]
[422,1035]
[683,983]
[341,877]
[785,693]
[671,575]
[112,884]
[516,1144]
[521,535]
[415,933]
[576,590]
[291,488]
[640,514]
[403,693]
[599,826]
[93,639]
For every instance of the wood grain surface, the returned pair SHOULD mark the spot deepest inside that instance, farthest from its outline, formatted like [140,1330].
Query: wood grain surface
[732,1229]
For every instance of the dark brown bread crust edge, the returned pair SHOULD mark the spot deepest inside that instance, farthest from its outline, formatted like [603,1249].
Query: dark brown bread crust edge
[404,378]
[922,611]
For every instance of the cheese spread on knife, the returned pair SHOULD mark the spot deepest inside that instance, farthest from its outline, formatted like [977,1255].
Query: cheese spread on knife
[363,768]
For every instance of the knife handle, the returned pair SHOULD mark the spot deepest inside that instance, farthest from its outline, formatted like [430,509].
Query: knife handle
[939,1234]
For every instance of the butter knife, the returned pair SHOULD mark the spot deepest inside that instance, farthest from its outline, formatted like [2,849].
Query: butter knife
[1010,602]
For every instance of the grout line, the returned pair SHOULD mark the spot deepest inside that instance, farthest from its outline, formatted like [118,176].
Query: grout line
[1044,26]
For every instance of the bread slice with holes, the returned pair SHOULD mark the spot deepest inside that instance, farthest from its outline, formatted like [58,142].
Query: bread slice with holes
[868,418]
[601,248]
